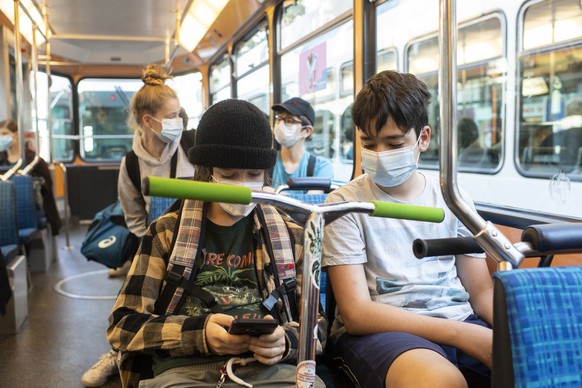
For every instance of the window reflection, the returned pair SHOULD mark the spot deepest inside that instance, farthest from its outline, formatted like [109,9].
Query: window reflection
[480,93]
[550,109]
[321,72]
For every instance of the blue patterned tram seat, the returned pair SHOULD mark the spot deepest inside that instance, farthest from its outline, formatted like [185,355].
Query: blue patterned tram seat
[537,340]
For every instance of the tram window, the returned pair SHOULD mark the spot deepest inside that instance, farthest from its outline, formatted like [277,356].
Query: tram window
[252,69]
[103,112]
[550,22]
[386,59]
[550,131]
[254,88]
[301,17]
[480,92]
[347,79]
[550,78]
[188,87]
[220,80]
[61,117]
[317,71]
[252,52]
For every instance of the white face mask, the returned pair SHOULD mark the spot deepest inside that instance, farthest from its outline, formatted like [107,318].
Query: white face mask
[390,168]
[171,129]
[286,135]
[6,142]
[236,209]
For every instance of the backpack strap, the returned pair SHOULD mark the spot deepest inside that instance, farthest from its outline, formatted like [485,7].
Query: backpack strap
[132,161]
[311,164]
[278,247]
[183,264]
[132,166]
[185,258]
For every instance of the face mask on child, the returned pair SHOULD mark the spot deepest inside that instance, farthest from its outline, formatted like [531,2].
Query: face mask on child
[286,135]
[6,142]
[171,129]
[236,209]
[390,168]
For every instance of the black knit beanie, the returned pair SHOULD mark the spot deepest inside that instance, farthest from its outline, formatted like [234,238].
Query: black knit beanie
[233,134]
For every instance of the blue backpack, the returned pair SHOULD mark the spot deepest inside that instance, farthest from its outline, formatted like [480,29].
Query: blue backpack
[108,241]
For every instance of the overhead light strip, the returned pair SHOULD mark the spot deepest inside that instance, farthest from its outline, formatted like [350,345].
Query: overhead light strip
[29,17]
[198,20]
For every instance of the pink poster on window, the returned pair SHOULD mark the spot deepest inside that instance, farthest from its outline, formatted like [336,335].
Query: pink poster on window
[312,65]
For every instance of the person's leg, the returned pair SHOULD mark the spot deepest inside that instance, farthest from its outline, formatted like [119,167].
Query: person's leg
[423,368]
[100,372]
[367,359]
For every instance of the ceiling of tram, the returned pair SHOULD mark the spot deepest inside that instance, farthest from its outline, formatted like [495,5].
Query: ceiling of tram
[134,32]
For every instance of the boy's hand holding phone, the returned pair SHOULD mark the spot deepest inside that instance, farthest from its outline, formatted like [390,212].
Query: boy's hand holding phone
[253,327]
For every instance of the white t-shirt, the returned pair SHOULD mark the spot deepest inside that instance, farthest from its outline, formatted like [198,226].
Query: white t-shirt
[384,246]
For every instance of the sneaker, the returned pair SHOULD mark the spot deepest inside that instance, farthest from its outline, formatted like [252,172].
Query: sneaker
[121,271]
[98,374]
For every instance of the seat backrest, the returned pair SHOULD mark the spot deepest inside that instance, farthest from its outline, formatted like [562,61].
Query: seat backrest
[25,201]
[8,214]
[158,206]
[537,339]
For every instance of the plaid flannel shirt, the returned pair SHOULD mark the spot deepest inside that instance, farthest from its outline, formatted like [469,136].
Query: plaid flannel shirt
[136,329]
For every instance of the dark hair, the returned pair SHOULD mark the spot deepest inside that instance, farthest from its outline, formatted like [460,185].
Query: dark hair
[401,96]
[184,116]
[10,124]
[468,132]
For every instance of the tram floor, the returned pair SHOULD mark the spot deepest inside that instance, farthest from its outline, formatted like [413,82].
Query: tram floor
[64,333]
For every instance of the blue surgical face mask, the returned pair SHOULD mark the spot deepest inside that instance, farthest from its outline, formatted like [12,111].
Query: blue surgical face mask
[171,129]
[236,209]
[6,142]
[390,168]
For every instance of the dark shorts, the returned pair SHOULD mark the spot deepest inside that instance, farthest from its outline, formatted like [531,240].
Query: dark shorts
[366,359]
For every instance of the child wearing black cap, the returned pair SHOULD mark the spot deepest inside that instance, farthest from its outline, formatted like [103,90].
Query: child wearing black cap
[232,262]
[293,125]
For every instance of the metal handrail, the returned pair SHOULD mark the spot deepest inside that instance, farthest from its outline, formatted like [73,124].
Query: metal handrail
[486,234]
[66,197]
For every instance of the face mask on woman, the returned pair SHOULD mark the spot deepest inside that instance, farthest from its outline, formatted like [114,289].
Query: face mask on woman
[236,209]
[171,129]
[390,168]
[6,142]
[286,135]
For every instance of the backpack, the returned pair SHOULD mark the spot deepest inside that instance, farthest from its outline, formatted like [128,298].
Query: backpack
[108,240]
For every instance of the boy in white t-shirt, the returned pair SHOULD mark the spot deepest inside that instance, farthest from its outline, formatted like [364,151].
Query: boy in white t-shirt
[401,321]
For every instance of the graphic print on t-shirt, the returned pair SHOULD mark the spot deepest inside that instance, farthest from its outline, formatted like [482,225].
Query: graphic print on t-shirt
[228,272]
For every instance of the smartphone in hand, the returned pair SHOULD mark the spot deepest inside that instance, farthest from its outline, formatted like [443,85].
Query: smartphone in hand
[254,327]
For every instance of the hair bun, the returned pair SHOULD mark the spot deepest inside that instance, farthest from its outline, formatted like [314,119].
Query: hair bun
[154,75]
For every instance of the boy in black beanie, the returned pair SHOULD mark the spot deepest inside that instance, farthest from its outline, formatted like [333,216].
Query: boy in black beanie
[234,266]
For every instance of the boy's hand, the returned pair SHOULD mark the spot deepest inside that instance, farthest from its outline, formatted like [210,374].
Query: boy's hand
[268,349]
[219,341]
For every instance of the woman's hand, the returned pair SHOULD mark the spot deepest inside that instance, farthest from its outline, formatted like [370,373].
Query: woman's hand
[219,341]
[268,349]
